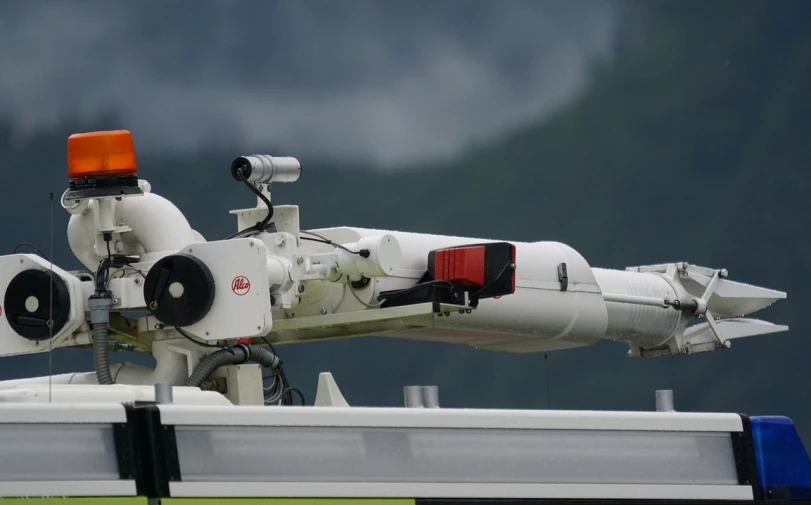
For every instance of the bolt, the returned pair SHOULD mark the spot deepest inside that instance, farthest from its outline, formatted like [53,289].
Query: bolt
[118,246]
[469,311]
[207,333]
[153,305]
[301,288]
[723,273]
[323,312]
[191,251]
[259,328]
[115,301]
[461,311]
[300,260]
[279,240]
[137,281]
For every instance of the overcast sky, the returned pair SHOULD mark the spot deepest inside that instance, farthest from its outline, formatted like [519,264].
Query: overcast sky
[388,81]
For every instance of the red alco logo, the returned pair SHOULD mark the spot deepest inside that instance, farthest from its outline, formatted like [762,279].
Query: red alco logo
[240,285]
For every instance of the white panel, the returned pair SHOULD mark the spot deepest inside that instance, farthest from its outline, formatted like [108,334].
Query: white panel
[61,413]
[37,489]
[458,490]
[10,342]
[449,418]
[432,455]
[237,311]
[57,452]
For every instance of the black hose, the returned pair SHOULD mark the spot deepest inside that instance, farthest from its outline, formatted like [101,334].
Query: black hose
[99,305]
[101,361]
[238,354]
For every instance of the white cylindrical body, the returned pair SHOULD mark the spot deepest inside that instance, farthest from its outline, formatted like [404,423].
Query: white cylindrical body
[644,325]
[384,257]
[157,226]
[279,274]
[539,316]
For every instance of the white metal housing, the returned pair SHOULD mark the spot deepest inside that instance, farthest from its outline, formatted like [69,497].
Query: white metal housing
[284,284]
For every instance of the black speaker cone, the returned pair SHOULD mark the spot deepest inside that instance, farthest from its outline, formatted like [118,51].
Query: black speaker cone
[33,298]
[179,290]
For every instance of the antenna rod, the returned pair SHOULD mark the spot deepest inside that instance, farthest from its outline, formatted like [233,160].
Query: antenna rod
[51,298]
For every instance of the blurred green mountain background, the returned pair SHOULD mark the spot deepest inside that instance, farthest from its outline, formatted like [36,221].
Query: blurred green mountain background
[693,146]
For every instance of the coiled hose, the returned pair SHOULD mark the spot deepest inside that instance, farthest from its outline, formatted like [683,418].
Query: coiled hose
[241,353]
[99,305]
[101,357]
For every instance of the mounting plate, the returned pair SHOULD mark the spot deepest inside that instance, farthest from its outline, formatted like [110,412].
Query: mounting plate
[362,322]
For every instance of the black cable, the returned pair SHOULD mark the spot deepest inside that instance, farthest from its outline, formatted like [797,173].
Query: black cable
[262,225]
[288,390]
[107,238]
[228,347]
[103,271]
[32,246]
[286,397]
[272,375]
[123,272]
[363,253]
[271,228]
[494,280]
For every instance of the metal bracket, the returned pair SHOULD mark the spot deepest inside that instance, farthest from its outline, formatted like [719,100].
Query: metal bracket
[563,277]
[705,310]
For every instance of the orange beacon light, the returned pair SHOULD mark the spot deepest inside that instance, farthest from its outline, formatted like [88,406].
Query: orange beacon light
[101,154]
[102,164]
